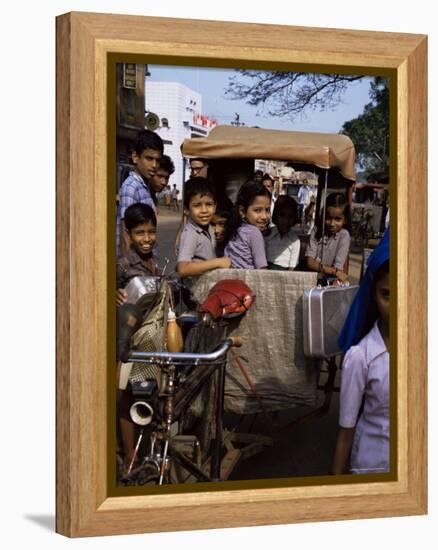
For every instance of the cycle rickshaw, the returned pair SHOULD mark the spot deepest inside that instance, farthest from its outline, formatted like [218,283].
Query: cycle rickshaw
[272,372]
[292,375]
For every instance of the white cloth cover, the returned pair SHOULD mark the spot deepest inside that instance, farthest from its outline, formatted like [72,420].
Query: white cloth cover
[272,330]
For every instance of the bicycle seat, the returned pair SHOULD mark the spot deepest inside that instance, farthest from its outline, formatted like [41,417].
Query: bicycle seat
[228,298]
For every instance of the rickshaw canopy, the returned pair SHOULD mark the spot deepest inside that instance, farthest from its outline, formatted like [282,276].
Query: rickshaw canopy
[302,150]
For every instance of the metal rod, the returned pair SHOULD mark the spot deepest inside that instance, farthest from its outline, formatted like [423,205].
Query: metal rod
[323,218]
[142,356]
[134,456]
[216,457]
[163,462]
[250,384]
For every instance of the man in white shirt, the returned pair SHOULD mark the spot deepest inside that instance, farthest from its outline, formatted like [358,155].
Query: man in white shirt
[303,198]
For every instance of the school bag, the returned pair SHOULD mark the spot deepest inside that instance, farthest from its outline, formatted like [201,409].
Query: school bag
[149,332]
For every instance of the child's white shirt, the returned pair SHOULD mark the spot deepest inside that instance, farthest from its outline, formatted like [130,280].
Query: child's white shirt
[283,251]
[365,377]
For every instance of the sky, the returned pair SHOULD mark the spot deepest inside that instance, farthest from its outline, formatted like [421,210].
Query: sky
[211,84]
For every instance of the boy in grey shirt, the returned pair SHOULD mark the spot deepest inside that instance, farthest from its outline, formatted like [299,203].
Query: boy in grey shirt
[196,253]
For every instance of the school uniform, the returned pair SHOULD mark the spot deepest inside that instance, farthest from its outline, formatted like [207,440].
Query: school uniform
[365,379]
[333,252]
[132,265]
[197,243]
[282,250]
[246,249]
[134,189]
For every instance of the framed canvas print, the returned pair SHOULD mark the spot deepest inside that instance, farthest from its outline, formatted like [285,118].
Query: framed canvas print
[196,388]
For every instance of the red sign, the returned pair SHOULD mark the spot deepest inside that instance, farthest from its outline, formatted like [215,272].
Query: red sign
[203,120]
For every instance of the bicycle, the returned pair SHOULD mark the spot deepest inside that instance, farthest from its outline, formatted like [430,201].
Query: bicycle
[160,411]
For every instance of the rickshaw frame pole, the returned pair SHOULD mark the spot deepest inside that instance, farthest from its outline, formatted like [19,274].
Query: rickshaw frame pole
[216,455]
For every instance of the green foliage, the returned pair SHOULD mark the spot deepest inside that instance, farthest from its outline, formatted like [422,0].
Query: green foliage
[370,130]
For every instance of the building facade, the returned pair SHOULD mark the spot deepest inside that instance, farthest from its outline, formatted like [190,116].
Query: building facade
[179,110]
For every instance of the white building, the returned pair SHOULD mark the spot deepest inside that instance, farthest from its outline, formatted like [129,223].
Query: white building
[180,112]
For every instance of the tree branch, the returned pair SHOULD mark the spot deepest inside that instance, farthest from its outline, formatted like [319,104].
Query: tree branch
[289,94]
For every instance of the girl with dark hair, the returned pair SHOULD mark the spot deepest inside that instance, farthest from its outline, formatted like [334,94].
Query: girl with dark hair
[329,244]
[251,216]
[282,243]
[364,398]
[221,224]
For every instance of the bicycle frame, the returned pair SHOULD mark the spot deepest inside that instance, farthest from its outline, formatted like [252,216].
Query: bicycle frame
[175,399]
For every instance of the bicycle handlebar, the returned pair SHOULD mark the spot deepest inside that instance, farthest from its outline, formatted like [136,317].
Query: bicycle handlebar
[185,358]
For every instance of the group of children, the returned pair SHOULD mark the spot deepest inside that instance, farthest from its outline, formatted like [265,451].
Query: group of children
[256,233]
[245,236]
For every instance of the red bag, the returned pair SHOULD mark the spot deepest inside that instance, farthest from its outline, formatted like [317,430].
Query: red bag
[228,298]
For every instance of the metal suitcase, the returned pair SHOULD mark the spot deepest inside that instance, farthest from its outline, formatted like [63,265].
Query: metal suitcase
[324,312]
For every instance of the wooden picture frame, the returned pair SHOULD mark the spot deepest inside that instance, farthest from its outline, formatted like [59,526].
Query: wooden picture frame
[84,43]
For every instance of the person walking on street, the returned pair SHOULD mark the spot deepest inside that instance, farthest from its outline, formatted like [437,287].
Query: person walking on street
[303,198]
[175,193]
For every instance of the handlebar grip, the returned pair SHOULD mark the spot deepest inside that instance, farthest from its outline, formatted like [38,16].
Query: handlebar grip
[237,341]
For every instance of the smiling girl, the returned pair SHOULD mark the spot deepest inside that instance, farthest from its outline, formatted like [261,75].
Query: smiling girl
[329,245]
[252,214]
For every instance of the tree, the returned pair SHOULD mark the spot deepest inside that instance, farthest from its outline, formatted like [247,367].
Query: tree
[289,94]
[370,130]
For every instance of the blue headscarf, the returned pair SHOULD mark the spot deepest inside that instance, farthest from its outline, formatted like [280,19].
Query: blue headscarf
[354,325]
